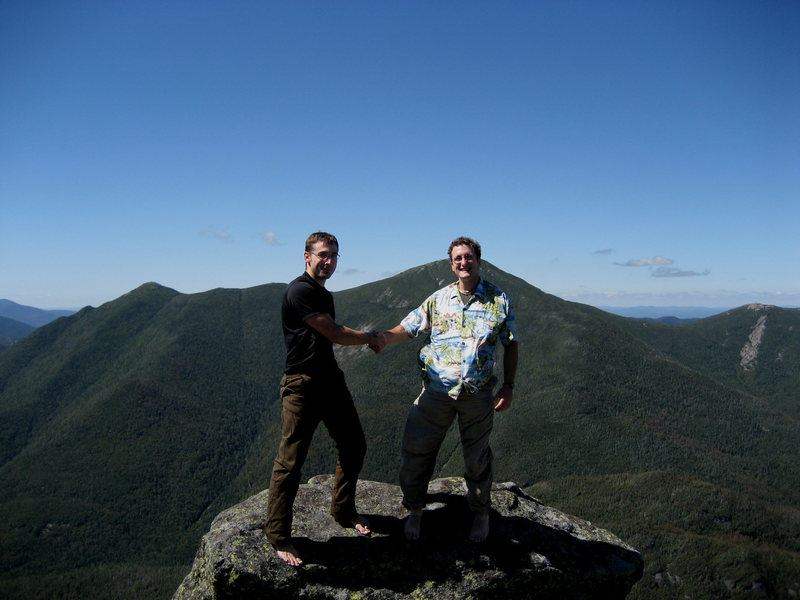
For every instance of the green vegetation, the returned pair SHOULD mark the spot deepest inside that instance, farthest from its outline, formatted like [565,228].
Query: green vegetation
[712,347]
[125,429]
[698,540]
[12,331]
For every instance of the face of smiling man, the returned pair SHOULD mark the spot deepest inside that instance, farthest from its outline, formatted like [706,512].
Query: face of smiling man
[321,261]
[465,265]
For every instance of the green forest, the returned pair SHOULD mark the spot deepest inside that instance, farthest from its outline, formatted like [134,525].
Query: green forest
[124,429]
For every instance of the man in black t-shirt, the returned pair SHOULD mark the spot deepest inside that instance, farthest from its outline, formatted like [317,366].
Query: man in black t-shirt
[313,389]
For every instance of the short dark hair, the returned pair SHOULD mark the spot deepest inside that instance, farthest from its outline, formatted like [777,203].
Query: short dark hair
[321,236]
[464,241]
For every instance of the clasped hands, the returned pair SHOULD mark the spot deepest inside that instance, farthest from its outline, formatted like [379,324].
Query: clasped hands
[377,341]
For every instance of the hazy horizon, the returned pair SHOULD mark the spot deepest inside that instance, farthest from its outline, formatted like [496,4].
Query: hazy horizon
[642,310]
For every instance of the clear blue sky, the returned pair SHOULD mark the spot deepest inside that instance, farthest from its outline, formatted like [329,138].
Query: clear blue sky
[612,153]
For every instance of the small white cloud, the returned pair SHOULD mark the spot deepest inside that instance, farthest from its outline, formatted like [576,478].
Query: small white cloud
[647,262]
[270,238]
[220,234]
[673,272]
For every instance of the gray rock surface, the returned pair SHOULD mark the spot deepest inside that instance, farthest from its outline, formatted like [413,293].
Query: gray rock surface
[533,551]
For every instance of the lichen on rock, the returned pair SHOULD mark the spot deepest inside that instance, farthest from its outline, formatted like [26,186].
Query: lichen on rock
[533,551]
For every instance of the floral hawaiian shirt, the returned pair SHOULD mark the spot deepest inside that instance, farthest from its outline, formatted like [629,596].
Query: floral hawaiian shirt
[462,338]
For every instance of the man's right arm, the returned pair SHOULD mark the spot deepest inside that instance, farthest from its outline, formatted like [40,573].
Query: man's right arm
[408,328]
[396,334]
[338,334]
[392,336]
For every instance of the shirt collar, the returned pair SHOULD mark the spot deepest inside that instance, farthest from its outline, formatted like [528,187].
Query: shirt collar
[479,293]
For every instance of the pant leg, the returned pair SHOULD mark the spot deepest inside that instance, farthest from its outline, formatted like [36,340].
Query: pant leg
[299,420]
[475,419]
[426,426]
[341,419]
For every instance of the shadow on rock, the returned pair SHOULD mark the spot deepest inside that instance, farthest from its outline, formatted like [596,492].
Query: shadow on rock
[532,551]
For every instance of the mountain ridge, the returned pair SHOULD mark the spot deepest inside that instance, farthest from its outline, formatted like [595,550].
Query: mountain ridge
[12,331]
[18,321]
[35,317]
[162,403]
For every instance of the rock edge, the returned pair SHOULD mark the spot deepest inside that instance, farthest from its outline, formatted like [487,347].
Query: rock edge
[533,551]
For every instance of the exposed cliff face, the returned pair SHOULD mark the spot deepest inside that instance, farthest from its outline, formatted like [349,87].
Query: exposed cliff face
[749,352]
[533,551]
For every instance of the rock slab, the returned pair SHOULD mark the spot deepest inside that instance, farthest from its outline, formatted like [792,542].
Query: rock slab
[533,551]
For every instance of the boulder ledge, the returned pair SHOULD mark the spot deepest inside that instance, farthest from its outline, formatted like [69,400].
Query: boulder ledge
[533,551]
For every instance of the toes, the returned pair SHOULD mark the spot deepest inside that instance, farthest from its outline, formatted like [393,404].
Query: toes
[361,525]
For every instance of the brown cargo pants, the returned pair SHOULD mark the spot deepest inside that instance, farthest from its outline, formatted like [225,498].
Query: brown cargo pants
[307,401]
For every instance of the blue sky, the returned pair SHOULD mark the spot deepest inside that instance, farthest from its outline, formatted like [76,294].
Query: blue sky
[612,153]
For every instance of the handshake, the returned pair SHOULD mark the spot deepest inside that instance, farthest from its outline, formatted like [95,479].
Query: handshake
[377,341]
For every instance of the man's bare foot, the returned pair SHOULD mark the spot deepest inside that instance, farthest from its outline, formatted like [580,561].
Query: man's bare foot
[480,527]
[288,554]
[361,525]
[413,525]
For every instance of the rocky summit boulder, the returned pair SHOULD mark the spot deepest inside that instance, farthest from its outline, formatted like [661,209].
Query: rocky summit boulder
[533,551]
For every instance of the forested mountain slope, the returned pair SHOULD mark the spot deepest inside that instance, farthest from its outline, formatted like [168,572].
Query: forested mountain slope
[125,428]
[754,348]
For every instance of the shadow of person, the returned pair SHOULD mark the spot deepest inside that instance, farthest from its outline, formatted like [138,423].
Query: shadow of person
[517,551]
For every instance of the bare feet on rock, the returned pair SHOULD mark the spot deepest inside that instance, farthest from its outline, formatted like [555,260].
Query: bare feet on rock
[361,525]
[288,554]
[480,528]
[413,525]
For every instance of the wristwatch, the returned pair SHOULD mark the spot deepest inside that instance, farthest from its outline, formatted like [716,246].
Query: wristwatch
[509,384]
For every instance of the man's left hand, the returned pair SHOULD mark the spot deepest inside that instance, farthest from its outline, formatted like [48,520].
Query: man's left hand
[503,398]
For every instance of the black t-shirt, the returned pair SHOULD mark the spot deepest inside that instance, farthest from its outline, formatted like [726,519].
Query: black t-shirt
[307,350]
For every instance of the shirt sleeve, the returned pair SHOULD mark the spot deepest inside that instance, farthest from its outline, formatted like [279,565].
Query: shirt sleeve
[509,332]
[305,301]
[418,320]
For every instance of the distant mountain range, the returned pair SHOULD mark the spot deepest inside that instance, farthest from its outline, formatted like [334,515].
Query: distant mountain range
[124,429]
[12,315]
[682,313]
[12,331]
[17,321]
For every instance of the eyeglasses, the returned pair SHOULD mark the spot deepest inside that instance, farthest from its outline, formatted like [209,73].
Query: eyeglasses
[464,258]
[323,256]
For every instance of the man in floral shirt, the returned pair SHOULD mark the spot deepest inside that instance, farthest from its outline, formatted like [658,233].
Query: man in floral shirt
[464,321]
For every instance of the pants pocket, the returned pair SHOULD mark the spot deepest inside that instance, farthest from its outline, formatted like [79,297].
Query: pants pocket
[293,388]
